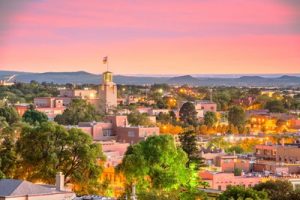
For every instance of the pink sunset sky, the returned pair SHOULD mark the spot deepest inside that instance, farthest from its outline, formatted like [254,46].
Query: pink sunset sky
[151,37]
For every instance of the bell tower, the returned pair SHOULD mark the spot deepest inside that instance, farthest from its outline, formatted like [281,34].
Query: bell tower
[108,92]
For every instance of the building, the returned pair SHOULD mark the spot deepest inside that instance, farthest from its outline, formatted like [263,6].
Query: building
[114,153]
[245,102]
[289,153]
[21,108]
[89,95]
[135,134]
[156,112]
[11,189]
[206,106]
[51,106]
[8,81]
[48,102]
[99,131]
[108,92]
[85,93]
[228,163]
[278,159]
[220,180]
[116,127]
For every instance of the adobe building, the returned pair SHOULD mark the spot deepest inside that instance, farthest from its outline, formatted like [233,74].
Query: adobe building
[85,93]
[278,159]
[289,153]
[228,163]
[51,106]
[220,180]
[116,127]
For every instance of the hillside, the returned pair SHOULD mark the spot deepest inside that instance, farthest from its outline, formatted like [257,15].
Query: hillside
[82,77]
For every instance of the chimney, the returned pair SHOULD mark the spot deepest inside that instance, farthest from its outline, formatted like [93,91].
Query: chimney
[60,181]
[282,142]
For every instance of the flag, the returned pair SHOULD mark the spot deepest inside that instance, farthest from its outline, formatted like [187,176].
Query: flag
[105,60]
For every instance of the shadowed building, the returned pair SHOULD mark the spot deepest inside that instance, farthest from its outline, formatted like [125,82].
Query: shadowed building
[13,189]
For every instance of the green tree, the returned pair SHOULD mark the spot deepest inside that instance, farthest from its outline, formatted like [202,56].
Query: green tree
[166,118]
[276,189]
[235,149]
[8,155]
[241,193]
[218,142]
[10,114]
[275,106]
[49,148]
[155,163]
[32,116]
[237,116]
[78,111]
[139,119]
[188,114]
[237,172]
[210,119]
[294,195]
[188,142]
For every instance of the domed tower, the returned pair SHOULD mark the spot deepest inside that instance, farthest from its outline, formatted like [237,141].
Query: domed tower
[108,92]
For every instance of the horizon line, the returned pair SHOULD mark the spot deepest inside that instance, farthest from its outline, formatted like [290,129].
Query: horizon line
[160,75]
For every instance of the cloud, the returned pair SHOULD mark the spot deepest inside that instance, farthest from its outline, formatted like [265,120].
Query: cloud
[295,6]
[8,9]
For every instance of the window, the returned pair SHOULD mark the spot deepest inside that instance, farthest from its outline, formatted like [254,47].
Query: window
[107,132]
[131,134]
[219,187]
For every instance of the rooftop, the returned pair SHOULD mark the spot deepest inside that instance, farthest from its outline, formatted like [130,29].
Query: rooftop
[13,187]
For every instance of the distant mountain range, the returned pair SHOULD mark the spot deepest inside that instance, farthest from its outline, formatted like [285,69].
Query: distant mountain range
[82,77]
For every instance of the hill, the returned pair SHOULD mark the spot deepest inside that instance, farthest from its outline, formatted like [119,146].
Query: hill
[82,77]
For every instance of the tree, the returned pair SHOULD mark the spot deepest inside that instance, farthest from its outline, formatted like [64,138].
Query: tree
[188,142]
[78,111]
[155,163]
[32,116]
[294,194]
[236,116]
[218,142]
[49,148]
[170,129]
[235,149]
[241,193]
[8,155]
[276,189]
[10,114]
[136,118]
[237,171]
[188,114]
[210,119]
[275,106]
[166,118]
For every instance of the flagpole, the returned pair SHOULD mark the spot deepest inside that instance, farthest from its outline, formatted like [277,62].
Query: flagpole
[107,65]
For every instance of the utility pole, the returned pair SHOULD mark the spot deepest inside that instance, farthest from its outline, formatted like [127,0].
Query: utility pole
[133,193]
[210,95]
